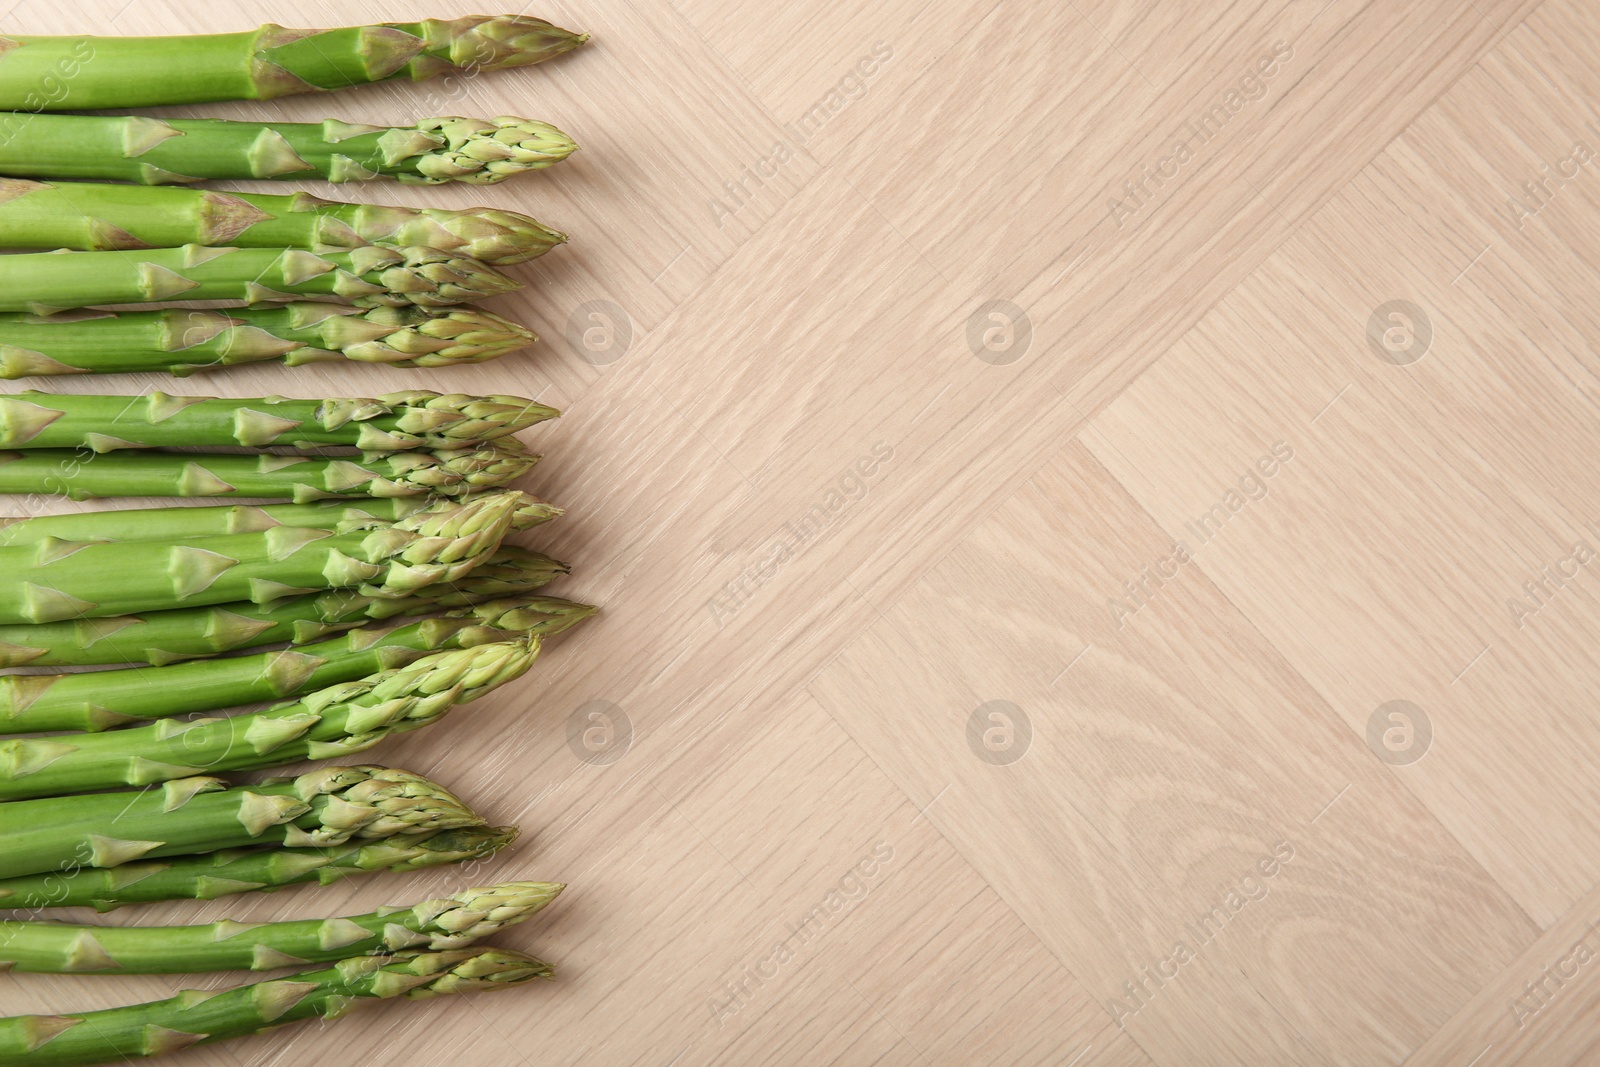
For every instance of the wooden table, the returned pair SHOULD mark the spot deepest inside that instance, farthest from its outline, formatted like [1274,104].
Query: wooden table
[1088,503]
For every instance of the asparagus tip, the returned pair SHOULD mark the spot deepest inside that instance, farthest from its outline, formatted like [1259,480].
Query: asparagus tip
[499,42]
[452,335]
[487,151]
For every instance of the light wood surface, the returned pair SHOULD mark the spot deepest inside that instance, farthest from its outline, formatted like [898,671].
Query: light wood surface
[1190,532]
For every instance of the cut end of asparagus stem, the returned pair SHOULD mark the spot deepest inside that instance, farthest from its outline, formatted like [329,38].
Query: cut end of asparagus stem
[498,42]
[485,151]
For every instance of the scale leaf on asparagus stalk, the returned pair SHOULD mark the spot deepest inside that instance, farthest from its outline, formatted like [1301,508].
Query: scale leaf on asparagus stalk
[244,870]
[328,806]
[94,217]
[264,63]
[56,581]
[100,700]
[303,479]
[162,637]
[44,282]
[197,1017]
[451,922]
[182,341]
[150,151]
[417,418]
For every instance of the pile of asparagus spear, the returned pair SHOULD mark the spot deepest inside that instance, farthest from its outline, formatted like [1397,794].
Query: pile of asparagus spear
[359,585]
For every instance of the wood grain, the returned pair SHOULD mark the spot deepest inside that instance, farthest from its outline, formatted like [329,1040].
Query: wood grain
[1022,698]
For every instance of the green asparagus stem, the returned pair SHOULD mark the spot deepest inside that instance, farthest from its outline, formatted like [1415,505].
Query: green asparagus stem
[162,637]
[450,922]
[328,806]
[43,282]
[55,581]
[179,523]
[101,218]
[84,475]
[99,700]
[417,418]
[219,874]
[196,1017]
[183,341]
[88,73]
[332,723]
[149,151]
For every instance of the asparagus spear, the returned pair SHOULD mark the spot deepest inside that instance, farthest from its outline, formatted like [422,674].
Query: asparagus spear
[183,341]
[150,151]
[88,73]
[162,637]
[55,580]
[332,723]
[179,523]
[195,1017]
[417,418]
[219,874]
[328,806]
[93,217]
[85,475]
[42,282]
[449,922]
[100,700]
